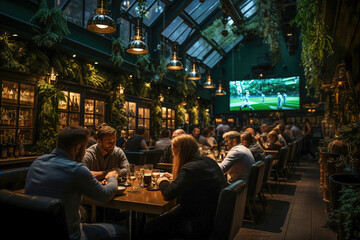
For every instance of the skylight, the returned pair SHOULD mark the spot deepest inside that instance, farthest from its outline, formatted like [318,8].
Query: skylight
[248,8]
[199,49]
[177,31]
[200,11]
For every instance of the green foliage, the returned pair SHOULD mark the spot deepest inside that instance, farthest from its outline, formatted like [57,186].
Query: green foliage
[11,54]
[117,115]
[48,118]
[93,77]
[180,114]
[53,22]
[347,216]
[316,43]
[156,119]
[145,65]
[205,116]
[117,51]
[160,70]
[194,115]
[267,20]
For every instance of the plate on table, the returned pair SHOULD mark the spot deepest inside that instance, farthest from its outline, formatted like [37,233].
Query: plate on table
[120,190]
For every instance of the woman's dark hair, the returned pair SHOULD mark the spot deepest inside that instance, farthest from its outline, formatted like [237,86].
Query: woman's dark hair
[206,131]
[72,136]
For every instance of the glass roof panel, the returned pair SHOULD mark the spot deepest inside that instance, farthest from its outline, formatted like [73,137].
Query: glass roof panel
[172,26]
[177,31]
[248,8]
[209,58]
[199,49]
[125,4]
[154,12]
[199,11]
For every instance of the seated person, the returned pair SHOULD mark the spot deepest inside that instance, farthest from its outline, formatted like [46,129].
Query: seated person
[248,141]
[137,142]
[167,156]
[61,175]
[165,141]
[211,140]
[273,142]
[201,140]
[120,142]
[104,156]
[238,161]
[197,184]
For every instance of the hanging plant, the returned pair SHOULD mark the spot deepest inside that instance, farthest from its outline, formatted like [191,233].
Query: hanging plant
[117,116]
[205,116]
[11,54]
[117,51]
[267,19]
[160,70]
[141,8]
[156,119]
[48,118]
[53,23]
[145,65]
[194,115]
[316,43]
[180,114]
[93,77]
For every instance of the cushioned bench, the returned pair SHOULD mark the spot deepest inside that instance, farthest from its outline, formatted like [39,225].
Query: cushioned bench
[13,179]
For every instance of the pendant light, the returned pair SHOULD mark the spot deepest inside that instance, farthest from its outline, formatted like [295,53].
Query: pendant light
[174,63]
[209,84]
[194,74]
[101,22]
[137,45]
[220,91]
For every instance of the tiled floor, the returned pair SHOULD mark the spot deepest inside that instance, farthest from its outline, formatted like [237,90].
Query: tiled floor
[296,211]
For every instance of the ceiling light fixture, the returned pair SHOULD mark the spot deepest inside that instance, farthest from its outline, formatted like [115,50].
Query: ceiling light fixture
[209,83]
[220,91]
[174,63]
[101,22]
[194,74]
[137,46]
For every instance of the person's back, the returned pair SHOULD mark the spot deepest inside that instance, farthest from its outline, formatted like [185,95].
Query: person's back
[237,163]
[61,175]
[133,144]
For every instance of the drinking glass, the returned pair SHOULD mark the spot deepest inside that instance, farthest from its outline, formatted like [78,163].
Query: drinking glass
[131,176]
[148,169]
[139,172]
[155,177]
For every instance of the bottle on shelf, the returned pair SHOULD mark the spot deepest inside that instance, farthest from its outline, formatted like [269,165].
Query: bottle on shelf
[21,145]
[3,147]
[77,107]
[16,149]
[11,147]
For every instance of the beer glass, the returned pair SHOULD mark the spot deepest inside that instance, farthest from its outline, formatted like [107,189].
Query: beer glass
[148,169]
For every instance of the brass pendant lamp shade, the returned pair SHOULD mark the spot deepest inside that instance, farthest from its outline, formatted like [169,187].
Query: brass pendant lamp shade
[220,91]
[194,74]
[137,46]
[209,84]
[174,63]
[101,22]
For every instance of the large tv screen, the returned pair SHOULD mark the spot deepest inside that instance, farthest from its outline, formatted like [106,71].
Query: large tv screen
[265,94]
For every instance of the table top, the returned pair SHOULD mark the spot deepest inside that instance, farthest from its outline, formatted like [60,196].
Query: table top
[141,201]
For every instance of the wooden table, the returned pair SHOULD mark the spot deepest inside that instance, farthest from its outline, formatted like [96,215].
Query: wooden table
[142,201]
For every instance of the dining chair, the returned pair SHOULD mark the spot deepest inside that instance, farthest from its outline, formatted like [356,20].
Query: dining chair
[255,181]
[230,211]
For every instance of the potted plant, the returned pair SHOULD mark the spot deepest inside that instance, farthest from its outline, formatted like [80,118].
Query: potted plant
[345,220]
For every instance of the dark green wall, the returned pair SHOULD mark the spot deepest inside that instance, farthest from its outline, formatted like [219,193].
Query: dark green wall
[238,64]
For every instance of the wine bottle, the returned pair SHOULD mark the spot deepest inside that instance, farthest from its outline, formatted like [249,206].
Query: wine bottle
[76,105]
[16,149]
[3,147]
[11,147]
[21,146]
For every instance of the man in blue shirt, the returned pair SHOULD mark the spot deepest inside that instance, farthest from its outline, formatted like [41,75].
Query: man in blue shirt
[61,175]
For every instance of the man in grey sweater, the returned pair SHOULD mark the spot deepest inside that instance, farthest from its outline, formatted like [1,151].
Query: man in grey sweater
[238,161]
[61,175]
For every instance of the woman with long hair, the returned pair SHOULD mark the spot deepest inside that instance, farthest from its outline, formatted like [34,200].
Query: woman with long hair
[196,186]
